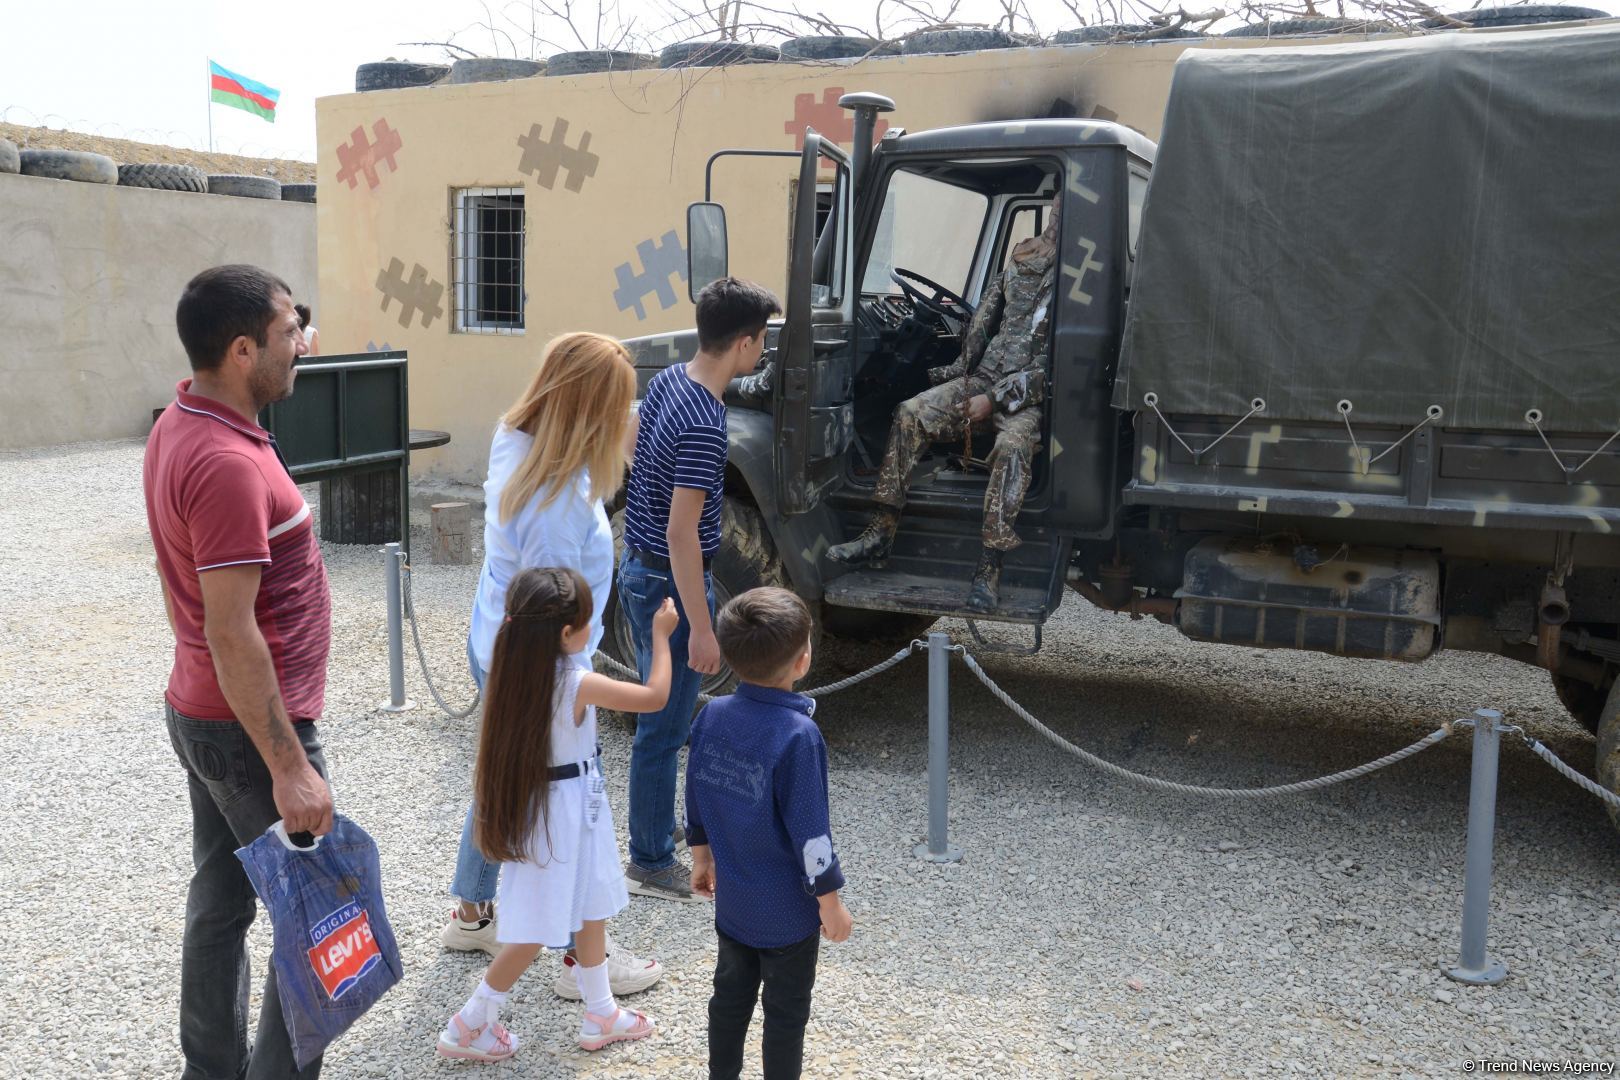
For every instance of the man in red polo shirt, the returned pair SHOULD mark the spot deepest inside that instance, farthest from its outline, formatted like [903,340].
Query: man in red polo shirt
[247,596]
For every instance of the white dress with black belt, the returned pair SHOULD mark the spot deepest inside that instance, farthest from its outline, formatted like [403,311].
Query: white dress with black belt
[572,874]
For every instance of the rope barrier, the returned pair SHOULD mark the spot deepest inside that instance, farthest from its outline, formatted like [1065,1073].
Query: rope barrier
[831,688]
[421,657]
[1569,773]
[1123,773]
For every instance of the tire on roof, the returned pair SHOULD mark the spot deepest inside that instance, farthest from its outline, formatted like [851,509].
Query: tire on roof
[475,69]
[594,61]
[397,74]
[1286,27]
[10,160]
[298,193]
[836,47]
[953,41]
[77,165]
[247,187]
[715,54]
[1523,15]
[163,177]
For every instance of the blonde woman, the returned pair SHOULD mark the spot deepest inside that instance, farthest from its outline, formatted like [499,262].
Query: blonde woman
[556,455]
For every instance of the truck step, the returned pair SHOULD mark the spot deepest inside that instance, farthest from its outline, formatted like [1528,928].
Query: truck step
[930,570]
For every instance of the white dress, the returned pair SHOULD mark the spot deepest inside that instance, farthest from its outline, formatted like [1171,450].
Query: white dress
[575,876]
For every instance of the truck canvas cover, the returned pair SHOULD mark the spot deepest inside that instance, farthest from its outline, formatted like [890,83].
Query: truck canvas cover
[1398,224]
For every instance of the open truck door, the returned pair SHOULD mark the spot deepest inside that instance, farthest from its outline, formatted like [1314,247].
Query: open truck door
[814,401]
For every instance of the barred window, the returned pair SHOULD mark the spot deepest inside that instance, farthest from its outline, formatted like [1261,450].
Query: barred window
[488,263]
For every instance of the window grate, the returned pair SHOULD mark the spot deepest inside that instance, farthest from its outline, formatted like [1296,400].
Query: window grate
[488,229]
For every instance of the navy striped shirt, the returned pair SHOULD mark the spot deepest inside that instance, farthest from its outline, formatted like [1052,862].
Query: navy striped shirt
[681,443]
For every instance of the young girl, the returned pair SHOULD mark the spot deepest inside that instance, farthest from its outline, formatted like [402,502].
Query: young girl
[542,810]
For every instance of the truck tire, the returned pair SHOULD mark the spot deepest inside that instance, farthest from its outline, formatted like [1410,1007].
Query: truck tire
[10,160]
[1525,15]
[77,165]
[246,187]
[716,54]
[474,69]
[1286,27]
[595,61]
[746,560]
[1608,750]
[396,75]
[298,193]
[836,47]
[1584,701]
[163,177]
[956,41]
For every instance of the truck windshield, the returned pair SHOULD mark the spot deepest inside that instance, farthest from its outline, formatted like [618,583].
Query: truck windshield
[927,226]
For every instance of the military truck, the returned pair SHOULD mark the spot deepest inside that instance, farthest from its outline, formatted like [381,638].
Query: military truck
[1334,367]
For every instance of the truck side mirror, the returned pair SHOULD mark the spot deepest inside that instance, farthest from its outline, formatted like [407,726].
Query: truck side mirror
[706,258]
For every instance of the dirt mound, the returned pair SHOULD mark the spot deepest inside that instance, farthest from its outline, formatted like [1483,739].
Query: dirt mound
[138,153]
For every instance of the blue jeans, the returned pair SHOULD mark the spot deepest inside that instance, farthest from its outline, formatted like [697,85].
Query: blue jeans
[654,755]
[476,877]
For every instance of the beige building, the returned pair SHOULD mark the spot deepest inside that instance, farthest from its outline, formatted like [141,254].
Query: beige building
[470,223]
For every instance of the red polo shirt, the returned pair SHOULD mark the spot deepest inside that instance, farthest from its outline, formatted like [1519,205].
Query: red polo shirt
[217,495]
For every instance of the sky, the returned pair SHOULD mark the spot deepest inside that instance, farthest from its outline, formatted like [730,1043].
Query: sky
[140,70]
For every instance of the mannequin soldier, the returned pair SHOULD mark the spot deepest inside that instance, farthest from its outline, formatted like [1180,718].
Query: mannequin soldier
[1000,377]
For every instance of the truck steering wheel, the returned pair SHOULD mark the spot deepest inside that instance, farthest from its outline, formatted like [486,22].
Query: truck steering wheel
[943,302]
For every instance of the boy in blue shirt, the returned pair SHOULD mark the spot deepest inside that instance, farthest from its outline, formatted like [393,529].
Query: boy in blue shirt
[757,826]
[671,532]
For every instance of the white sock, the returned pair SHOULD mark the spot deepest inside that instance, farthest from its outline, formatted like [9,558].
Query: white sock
[483,1007]
[593,987]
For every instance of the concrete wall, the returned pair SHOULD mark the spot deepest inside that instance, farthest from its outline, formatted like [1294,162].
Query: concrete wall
[89,278]
[611,194]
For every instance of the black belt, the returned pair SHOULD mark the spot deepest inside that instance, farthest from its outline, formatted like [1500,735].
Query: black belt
[568,772]
[658,562]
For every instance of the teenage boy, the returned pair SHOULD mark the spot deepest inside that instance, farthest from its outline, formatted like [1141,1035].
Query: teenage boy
[671,532]
[757,823]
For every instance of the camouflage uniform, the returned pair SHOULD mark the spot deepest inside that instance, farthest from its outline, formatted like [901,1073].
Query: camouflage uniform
[1004,357]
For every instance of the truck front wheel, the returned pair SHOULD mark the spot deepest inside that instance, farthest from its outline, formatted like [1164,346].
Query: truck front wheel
[746,560]
[1608,750]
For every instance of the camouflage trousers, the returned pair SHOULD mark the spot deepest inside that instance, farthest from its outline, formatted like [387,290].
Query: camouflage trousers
[935,415]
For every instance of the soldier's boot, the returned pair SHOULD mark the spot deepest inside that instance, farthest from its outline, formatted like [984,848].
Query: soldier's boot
[986,591]
[872,544]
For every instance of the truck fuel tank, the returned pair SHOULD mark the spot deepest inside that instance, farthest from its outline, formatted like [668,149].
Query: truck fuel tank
[1285,593]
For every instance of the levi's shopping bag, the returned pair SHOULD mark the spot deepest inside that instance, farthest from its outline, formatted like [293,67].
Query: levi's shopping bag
[334,951]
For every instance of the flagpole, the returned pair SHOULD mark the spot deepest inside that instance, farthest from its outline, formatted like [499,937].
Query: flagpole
[210,104]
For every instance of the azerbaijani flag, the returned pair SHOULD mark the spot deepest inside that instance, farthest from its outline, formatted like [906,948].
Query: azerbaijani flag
[229,88]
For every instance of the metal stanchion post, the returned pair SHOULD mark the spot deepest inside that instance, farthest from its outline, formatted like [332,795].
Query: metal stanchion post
[1473,966]
[393,560]
[937,849]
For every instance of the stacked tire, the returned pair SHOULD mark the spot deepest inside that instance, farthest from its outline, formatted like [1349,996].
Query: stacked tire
[247,187]
[397,75]
[75,165]
[1296,27]
[597,61]
[689,54]
[476,69]
[163,177]
[957,41]
[836,47]
[1523,15]
[10,159]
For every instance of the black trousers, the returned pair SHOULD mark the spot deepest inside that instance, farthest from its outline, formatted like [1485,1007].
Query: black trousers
[789,975]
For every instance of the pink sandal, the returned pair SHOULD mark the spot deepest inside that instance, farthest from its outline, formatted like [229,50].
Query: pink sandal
[608,1029]
[504,1043]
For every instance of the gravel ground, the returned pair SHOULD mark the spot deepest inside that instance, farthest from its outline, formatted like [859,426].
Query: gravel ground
[1093,929]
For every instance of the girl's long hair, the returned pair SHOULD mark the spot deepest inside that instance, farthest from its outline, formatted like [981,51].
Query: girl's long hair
[514,747]
[576,408]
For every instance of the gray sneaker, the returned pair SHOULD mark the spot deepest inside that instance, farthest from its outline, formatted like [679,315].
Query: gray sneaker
[674,882]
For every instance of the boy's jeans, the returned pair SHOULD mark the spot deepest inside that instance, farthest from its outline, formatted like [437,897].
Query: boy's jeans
[476,877]
[231,806]
[789,975]
[660,735]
